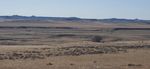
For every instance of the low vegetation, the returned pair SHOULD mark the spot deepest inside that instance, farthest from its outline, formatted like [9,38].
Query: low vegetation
[64,51]
[97,39]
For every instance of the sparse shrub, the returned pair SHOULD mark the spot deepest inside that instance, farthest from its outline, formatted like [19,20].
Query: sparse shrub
[49,63]
[94,61]
[96,39]
[71,64]
[134,65]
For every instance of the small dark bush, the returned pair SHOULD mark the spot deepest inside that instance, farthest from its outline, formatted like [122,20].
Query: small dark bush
[94,61]
[49,64]
[96,39]
[134,65]
[71,64]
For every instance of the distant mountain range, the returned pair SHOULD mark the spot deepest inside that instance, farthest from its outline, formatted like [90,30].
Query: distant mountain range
[72,19]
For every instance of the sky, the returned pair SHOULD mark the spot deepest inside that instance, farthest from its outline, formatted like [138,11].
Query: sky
[98,9]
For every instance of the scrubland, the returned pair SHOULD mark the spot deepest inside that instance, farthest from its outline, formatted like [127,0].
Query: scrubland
[74,46]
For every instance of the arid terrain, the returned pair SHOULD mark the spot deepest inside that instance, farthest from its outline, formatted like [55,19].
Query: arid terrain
[73,44]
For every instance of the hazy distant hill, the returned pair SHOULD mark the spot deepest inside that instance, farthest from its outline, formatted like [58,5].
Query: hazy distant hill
[115,20]
[72,19]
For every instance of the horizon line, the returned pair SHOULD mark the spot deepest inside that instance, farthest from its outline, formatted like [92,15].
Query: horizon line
[75,17]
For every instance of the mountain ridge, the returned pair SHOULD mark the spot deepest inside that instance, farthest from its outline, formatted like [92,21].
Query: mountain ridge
[75,19]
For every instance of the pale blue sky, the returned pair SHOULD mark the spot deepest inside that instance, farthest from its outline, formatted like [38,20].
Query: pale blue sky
[78,8]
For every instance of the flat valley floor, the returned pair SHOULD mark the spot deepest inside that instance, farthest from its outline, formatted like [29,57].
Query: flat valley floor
[26,45]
